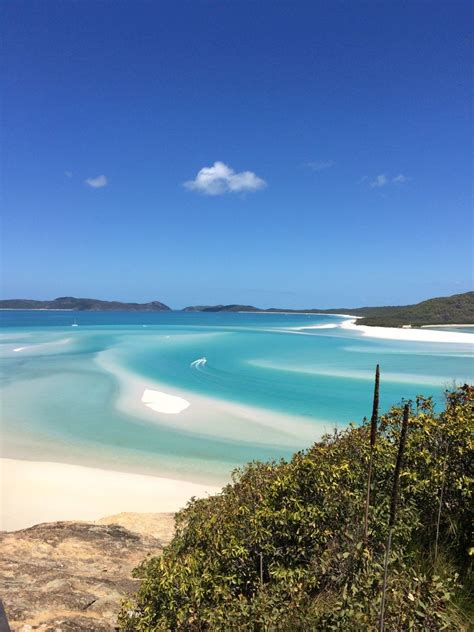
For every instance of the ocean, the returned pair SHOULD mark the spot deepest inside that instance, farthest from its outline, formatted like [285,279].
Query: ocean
[194,395]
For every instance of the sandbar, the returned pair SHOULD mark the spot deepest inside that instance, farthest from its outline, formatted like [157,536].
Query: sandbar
[164,402]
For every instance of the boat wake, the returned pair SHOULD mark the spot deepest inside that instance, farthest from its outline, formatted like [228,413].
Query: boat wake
[199,363]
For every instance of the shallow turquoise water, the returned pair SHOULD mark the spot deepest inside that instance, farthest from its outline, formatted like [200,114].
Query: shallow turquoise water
[64,392]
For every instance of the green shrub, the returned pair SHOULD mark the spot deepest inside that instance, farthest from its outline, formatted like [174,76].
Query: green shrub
[281,547]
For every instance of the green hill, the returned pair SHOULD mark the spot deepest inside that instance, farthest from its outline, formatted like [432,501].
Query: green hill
[449,310]
[222,308]
[83,305]
[457,309]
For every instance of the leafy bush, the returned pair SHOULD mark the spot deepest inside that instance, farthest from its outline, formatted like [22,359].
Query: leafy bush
[281,548]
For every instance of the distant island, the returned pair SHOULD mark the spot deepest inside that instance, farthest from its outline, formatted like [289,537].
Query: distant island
[451,310]
[83,305]
[223,308]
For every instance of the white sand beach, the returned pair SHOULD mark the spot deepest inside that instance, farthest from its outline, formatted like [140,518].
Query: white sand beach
[451,326]
[35,491]
[416,335]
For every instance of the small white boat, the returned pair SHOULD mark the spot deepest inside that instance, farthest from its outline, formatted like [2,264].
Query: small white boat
[74,324]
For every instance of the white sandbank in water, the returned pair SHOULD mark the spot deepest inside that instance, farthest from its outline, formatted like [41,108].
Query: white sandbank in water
[210,416]
[40,491]
[328,326]
[164,402]
[42,345]
[356,374]
[416,335]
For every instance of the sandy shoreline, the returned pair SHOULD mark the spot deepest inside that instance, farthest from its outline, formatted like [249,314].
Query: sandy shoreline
[448,326]
[415,335]
[36,491]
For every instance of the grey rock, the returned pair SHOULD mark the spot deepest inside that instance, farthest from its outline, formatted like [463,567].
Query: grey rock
[68,576]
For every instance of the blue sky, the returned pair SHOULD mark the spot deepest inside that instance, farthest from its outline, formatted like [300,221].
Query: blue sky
[335,139]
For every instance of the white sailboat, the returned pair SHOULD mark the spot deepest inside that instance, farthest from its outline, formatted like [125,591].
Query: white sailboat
[74,324]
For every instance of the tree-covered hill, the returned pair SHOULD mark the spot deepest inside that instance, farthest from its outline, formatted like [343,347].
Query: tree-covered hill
[83,305]
[222,308]
[456,309]
[284,547]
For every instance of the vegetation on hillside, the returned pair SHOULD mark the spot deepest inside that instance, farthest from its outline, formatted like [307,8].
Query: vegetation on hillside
[83,305]
[222,308]
[446,310]
[457,309]
[284,546]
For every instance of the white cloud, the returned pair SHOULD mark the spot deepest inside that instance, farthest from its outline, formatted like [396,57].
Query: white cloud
[380,181]
[320,165]
[97,183]
[68,174]
[400,179]
[221,178]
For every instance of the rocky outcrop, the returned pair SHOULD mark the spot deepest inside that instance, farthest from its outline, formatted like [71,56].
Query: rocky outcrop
[68,576]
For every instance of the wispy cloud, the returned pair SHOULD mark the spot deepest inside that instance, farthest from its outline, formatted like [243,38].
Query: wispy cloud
[68,174]
[400,179]
[382,180]
[320,165]
[220,178]
[97,183]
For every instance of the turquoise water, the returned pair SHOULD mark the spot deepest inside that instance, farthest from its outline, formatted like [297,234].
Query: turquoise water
[264,387]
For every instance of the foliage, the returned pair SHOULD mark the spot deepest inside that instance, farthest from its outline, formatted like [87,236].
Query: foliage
[83,305]
[281,548]
[445,310]
[456,309]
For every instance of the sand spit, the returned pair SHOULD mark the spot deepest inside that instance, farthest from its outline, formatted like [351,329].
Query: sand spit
[416,335]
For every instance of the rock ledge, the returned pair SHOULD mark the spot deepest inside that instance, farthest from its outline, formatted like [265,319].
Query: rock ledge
[73,576]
